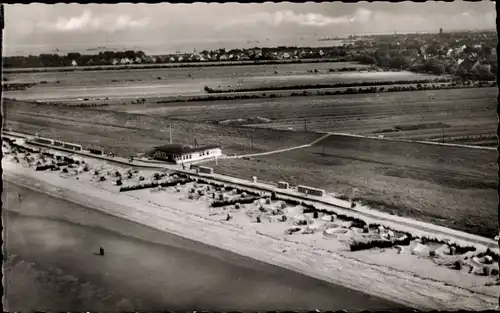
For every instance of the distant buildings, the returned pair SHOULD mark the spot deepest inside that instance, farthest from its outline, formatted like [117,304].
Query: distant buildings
[125,61]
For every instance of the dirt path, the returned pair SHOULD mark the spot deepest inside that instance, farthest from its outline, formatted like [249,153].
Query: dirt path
[280,150]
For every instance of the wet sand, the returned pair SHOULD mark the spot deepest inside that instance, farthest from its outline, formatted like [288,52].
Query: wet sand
[51,265]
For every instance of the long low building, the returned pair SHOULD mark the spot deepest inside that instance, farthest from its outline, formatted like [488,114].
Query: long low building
[176,153]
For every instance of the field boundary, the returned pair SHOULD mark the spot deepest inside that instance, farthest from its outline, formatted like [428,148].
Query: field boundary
[413,141]
[169,65]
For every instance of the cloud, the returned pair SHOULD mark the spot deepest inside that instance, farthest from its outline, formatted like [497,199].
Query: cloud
[303,19]
[87,22]
[362,16]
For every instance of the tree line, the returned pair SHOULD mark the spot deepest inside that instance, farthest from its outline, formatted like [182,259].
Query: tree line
[56,60]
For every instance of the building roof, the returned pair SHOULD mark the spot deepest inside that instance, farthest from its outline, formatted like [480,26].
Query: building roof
[179,149]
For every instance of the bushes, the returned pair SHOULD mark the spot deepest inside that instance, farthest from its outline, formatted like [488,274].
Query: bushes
[45,167]
[23,149]
[335,85]
[492,254]
[96,151]
[359,245]
[221,203]
[156,184]
[462,250]
[372,89]
[69,160]
[343,197]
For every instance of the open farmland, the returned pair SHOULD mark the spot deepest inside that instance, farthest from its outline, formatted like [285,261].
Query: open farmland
[276,82]
[129,134]
[161,82]
[456,115]
[448,186]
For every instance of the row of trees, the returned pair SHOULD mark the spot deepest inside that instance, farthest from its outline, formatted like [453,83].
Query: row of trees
[56,60]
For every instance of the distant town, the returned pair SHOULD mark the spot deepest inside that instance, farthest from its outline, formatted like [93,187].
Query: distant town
[463,54]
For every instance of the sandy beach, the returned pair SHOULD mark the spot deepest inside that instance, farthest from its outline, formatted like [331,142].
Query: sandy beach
[408,279]
[50,245]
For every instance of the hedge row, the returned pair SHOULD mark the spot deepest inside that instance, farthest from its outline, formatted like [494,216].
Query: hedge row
[23,148]
[336,85]
[45,167]
[174,65]
[155,184]
[221,203]
[202,181]
[79,105]
[359,245]
[326,93]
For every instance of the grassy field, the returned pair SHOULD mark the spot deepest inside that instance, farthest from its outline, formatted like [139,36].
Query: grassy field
[276,82]
[453,187]
[129,134]
[456,115]
[157,83]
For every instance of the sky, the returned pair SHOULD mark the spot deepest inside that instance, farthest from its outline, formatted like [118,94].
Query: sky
[94,25]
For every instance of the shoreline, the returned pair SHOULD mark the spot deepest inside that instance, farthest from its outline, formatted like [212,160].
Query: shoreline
[162,270]
[211,244]
[351,271]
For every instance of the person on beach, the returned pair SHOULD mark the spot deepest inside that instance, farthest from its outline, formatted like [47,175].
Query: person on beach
[101,251]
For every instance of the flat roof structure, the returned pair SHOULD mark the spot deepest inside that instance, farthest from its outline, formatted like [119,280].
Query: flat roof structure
[179,149]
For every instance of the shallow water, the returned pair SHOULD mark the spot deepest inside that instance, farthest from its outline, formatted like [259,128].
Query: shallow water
[51,265]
